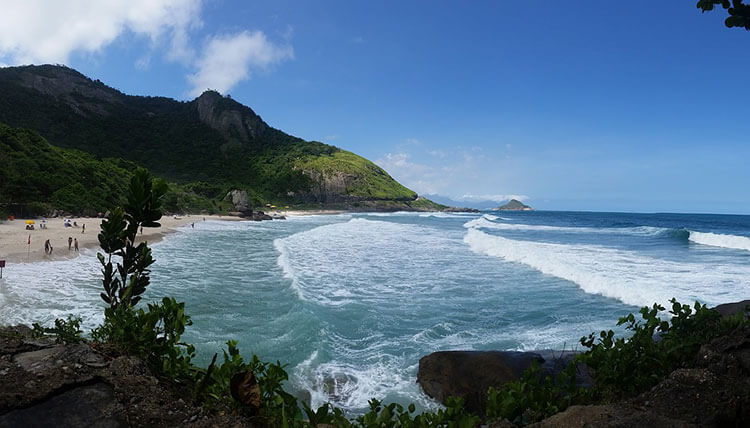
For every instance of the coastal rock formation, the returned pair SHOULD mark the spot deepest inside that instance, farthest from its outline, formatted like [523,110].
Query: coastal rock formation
[514,205]
[47,384]
[469,374]
[235,122]
[239,200]
[713,392]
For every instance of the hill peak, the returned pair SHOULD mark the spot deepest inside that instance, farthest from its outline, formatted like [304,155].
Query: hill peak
[235,122]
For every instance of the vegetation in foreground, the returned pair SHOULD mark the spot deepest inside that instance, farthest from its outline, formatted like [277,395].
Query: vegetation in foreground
[621,367]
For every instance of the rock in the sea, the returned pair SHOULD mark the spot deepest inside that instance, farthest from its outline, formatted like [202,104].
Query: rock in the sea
[729,309]
[469,374]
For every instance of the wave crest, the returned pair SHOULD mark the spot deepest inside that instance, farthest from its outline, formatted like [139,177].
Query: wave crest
[734,242]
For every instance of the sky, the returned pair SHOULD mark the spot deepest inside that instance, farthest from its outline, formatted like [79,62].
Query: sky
[598,106]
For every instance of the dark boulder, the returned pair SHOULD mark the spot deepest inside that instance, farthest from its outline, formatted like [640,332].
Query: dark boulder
[729,309]
[469,374]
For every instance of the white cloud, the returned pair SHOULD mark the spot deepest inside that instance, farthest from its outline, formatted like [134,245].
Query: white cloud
[39,31]
[228,60]
[464,172]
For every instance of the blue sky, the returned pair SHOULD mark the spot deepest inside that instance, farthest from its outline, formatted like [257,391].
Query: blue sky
[606,106]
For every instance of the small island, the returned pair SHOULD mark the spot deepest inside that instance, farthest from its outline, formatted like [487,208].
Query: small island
[514,205]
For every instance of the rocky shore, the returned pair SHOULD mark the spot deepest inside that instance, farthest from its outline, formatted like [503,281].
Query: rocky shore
[713,391]
[70,385]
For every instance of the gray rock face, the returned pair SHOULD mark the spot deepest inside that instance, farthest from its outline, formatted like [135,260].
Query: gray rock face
[239,199]
[469,374]
[729,309]
[74,89]
[330,188]
[234,121]
[88,405]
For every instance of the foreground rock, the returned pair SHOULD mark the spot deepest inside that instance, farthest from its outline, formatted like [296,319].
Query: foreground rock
[45,384]
[469,374]
[714,392]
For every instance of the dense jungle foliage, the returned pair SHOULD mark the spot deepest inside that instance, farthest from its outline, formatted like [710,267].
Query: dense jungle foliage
[230,147]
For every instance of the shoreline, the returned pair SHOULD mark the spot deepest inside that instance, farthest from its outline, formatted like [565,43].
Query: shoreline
[14,238]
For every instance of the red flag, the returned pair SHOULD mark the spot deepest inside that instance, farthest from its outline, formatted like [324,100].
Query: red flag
[29,240]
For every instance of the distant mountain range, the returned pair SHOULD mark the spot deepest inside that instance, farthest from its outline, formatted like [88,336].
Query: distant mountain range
[480,204]
[206,147]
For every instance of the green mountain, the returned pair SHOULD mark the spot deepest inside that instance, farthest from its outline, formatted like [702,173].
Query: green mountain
[514,205]
[37,177]
[209,146]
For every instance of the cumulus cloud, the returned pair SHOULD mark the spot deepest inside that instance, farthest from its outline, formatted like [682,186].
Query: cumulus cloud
[40,31]
[228,60]
[448,173]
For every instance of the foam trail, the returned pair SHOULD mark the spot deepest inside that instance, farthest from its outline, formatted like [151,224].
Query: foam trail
[485,222]
[624,275]
[734,242]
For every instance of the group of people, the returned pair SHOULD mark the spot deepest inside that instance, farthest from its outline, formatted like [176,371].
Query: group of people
[74,242]
[67,223]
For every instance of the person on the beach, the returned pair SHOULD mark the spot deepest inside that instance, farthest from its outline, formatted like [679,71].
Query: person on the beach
[192,225]
[70,242]
[75,244]
[83,228]
[47,247]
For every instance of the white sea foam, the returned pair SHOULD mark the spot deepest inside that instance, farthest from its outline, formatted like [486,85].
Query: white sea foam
[720,240]
[336,263]
[485,222]
[42,292]
[624,275]
[352,386]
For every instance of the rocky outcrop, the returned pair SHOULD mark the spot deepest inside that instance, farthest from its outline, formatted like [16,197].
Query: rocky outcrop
[239,200]
[69,87]
[514,205]
[713,392]
[47,384]
[469,374]
[235,122]
[329,188]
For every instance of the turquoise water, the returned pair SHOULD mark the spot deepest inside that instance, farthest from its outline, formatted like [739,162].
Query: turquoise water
[351,302]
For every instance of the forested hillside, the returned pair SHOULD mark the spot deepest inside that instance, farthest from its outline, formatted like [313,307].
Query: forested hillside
[211,144]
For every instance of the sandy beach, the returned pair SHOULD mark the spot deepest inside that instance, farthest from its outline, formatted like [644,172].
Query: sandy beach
[14,238]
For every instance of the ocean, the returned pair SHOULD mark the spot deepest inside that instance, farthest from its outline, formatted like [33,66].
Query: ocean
[351,302]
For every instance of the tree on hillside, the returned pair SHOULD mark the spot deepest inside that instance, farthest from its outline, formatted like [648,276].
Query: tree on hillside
[739,13]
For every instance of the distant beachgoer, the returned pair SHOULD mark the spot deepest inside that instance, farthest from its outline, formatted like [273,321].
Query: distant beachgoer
[47,247]
[75,244]
[70,242]
[192,225]
[83,228]
[75,223]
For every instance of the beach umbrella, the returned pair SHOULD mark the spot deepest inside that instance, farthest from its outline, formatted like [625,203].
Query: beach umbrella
[29,221]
